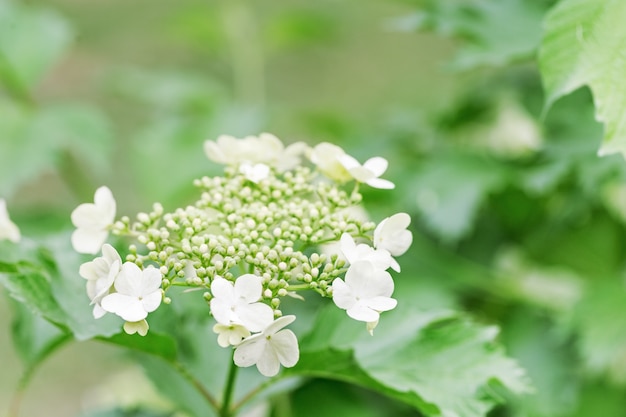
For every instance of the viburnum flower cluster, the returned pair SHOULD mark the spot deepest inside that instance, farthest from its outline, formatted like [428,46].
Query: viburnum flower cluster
[252,238]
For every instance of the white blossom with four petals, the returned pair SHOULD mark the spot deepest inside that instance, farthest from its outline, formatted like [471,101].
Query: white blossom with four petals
[92,221]
[392,235]
[100,275]
[270,348]
[265,149]
[231,334]
[8,229]
[138,293]
[326,157]
[379,258]
[365,293]
[369,172]
[239,303]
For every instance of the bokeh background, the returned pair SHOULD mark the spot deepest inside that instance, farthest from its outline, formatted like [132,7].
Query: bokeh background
[516,220]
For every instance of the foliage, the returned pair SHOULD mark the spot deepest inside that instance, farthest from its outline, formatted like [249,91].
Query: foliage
[515,276]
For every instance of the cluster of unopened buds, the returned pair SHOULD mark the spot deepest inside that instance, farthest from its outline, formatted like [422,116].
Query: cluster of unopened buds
[259,233]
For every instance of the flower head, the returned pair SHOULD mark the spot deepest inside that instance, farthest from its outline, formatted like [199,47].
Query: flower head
[270,348]
[92,222]
[365,293]
[369,172]
[392,235]
[238,303]
[100,275]
[8,229]
[138,293]
[326,157]
[265,149]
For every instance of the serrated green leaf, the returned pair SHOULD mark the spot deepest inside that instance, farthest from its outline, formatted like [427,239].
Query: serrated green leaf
[31,41]
[584,44]
[440,363]
[31,286]
[494,32]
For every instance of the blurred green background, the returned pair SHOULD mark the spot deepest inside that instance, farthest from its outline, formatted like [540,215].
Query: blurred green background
[516,220]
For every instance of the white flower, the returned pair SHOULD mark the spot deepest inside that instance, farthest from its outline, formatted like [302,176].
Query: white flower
[270,348]
[231,334]
[138,293]
[266,149]
[141,327]
[369,172]
[100,275]
[238,304]
[8,229]
[379,258]
[326,157]
[254,173]
[392,235]
[92,222]
[365,293]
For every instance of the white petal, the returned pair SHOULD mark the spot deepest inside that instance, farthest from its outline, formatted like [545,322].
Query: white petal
[376,165]
[285,344]
[250,350]
[268,363]
[348,161]
[88,216]
[348,247]
[255,317]
[110,254]
[381,184]
[140,327]
[362,174]
[395,265]
[362,313]
[342,295]
[278,324]
[249,287]
[150,281]
[223,289]
[128,282]
[381,303]
[88,241]
[8,229]
[104,201]
[152,301]
[221,311]
[366,281]
[127,307]
[98,311]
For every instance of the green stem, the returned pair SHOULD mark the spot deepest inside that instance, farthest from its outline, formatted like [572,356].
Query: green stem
[197,385]
[228,391]
[254,392]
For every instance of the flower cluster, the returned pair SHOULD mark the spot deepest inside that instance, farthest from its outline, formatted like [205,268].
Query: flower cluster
[253,237]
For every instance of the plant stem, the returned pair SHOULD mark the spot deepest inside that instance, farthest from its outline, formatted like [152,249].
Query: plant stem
[197,385]
[228,391]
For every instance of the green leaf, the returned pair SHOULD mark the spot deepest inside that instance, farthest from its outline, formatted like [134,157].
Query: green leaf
[37,140]
[33,336]
[584,44]
[450,189]
[494,32]
[602,332]
[440,363]
[31,41]
[161,345]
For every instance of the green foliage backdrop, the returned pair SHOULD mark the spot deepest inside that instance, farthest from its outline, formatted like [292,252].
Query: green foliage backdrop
[492,114]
